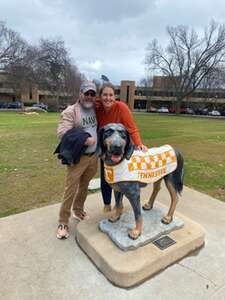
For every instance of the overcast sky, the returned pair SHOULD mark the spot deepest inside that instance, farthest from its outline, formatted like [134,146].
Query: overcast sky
[107,37]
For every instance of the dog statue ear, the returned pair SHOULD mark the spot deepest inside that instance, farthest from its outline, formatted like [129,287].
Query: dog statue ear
[129,149]
[100,146]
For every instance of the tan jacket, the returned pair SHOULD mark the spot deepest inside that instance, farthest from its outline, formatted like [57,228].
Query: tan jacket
[70,118]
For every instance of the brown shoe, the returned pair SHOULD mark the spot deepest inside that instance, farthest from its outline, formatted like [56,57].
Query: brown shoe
[107,208]
[62,232]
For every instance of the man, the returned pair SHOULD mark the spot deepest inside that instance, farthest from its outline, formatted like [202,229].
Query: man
[79,115]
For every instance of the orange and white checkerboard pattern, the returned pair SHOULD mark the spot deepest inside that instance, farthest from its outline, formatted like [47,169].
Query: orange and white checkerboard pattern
[146,167]
[151,162]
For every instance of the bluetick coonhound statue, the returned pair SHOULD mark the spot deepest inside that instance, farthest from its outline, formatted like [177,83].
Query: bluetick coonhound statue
[127,170]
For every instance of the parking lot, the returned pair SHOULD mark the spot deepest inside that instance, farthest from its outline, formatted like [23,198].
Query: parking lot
[17,105]
[188,111]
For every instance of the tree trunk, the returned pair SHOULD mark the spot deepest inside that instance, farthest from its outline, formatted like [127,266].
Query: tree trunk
[178,105]
[57,100]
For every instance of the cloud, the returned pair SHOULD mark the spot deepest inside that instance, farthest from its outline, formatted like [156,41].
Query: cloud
[91,68]
[107,37]
[102,11]
[95,66]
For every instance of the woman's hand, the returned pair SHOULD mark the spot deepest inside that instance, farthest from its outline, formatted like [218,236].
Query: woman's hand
[142,148]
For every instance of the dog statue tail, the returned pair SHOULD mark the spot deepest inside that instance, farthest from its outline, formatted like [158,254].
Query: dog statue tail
[178,174]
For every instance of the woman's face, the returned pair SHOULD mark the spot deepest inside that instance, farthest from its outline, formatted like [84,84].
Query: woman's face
[107,97]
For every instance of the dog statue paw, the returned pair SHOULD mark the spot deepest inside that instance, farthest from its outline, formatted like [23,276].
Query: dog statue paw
[114,218]
[167,219]
[134,233]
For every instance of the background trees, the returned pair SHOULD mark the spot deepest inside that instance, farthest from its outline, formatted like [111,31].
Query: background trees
[12,46]
[189,59]
[47,65]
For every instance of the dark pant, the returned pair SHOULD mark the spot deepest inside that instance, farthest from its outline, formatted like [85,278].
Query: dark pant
[106,189]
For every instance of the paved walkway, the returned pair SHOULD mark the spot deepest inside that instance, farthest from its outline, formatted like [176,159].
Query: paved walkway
[35,265]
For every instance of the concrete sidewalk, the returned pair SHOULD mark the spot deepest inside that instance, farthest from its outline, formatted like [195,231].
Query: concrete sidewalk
[35,265]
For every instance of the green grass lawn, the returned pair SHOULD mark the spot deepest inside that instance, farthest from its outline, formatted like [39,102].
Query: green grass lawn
[31,176]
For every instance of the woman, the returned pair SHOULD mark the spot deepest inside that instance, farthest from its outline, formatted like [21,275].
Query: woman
[108,110]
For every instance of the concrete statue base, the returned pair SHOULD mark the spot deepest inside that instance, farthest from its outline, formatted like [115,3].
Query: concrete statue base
[129,268]
[153,228]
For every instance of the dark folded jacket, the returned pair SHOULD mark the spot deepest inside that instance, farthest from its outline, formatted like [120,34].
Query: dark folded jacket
[72,146]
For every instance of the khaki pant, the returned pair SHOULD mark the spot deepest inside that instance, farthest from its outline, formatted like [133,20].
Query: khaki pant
[76,186]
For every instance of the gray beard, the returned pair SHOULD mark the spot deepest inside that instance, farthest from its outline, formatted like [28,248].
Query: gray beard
[88,105]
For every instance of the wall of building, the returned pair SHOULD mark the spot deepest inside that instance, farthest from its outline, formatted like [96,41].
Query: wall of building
[137,98]
[127,92]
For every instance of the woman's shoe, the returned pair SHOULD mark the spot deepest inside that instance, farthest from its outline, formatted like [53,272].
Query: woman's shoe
[107,208]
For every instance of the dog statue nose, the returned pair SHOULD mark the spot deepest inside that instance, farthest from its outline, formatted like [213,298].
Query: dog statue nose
[116,148]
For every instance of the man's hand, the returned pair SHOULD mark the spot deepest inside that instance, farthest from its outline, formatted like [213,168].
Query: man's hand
[142,148]
[89,141]
[102,156]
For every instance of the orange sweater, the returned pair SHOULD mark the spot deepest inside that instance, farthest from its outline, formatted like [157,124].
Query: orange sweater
[119,113]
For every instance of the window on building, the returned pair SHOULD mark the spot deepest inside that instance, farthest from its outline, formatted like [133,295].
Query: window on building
[128,93]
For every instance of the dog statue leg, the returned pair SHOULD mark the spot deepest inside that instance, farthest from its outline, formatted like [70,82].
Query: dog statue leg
[118,208]
[156,188]
[174,199]
[136,232]
[116,216]
[132,192]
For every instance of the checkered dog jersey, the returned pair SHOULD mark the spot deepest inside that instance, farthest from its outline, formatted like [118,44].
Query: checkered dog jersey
[146,167]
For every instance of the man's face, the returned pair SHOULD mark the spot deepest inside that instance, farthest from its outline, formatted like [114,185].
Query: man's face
[87,99]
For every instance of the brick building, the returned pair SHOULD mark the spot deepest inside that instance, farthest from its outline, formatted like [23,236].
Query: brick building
[136,97]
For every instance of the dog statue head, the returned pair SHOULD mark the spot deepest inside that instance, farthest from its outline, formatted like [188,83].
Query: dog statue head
[114,143]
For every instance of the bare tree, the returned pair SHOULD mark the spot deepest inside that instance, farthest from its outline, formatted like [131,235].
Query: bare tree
[147,83]
[72,81]
[12,46]
[98,84]
[188,58]
[24,72]
[47,65]
[214,79]
[53,62]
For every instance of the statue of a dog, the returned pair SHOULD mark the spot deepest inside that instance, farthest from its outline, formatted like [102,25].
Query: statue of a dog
[121,162]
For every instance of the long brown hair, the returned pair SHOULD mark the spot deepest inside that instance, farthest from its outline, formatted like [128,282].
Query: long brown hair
[107,85]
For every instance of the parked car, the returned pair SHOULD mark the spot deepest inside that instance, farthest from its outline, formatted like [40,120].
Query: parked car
[41,105]
[14,105]
[214,113]
[152,109]
[35,109]
[163,110]
[183,110]
[172,110]
[222,112]
[205,111]
[3,105]
[198,111]
[190,111]
[201,111]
